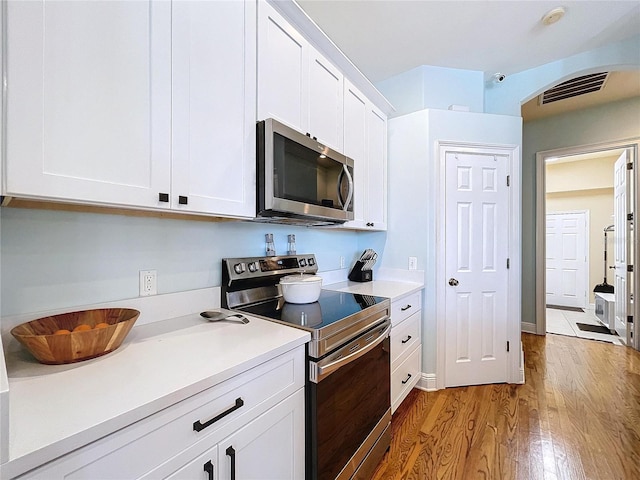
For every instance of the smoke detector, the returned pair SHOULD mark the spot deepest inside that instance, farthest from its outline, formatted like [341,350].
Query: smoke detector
[553,16]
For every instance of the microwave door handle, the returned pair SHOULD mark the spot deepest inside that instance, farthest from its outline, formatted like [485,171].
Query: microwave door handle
[345,204]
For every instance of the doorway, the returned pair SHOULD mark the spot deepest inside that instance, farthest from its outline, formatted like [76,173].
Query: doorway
[612,150]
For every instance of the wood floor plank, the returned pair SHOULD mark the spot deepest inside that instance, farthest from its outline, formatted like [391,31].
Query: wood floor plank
[576,417]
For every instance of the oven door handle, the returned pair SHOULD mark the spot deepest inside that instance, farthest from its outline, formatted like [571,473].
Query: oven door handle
[323,371]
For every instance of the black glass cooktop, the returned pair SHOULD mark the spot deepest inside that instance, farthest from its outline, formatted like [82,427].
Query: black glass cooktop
[330,308]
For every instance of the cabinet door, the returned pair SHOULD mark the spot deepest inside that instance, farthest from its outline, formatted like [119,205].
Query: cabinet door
[282,76]
[271,447]
[213,65]
[205,467]
[325,101]
[355,147]
[89,101]
[365,140]
[376,169]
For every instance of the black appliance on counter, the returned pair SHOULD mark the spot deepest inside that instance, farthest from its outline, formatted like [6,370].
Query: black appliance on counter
[348,397]
[362,271]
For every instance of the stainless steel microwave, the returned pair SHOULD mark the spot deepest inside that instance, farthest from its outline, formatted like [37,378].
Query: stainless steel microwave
[300,180]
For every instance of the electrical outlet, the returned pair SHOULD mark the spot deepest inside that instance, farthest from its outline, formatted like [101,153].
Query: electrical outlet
[413,263]
[148,283]
[342,264]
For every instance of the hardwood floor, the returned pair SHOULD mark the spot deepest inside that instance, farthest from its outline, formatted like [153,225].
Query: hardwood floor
[576,417]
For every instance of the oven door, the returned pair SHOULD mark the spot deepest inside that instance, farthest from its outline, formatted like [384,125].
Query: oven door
[349,407]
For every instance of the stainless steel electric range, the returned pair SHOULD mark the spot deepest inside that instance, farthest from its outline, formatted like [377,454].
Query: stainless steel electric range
[348,399]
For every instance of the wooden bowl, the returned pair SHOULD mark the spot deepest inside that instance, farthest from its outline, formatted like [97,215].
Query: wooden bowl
[39,338]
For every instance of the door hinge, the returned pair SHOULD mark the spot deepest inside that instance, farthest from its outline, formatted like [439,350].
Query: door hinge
[508,263]
[630,166]
[629,318]
[507,346]
[508,180]
[629,268]
[630,217]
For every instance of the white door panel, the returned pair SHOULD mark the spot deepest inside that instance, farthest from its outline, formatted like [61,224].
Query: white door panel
[620,210]
[566,260]
[477,248]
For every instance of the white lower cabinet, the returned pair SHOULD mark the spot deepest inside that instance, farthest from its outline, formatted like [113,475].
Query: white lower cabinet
[251,426]
[406,346]
[271,447]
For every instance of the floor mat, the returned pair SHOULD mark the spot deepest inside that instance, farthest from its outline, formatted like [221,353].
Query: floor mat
[570,309]
[594,328]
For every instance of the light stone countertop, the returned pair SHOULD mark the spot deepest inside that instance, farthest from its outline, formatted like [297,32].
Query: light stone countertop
[57,408]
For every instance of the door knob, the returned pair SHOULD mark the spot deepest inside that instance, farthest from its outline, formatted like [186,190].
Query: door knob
[453,282]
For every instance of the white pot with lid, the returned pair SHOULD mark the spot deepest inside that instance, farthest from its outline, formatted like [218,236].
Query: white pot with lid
[301,288]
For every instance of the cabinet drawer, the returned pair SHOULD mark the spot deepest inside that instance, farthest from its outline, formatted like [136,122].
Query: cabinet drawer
[404,338]
[405,377]
[141,447]
[405,307]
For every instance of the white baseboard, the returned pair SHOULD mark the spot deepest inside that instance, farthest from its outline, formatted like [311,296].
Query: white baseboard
[427,382]
[521,379]
[527,327]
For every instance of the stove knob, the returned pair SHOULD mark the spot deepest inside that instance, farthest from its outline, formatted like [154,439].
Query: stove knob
[253,267]
[303,262]
[239,268]
[312,262]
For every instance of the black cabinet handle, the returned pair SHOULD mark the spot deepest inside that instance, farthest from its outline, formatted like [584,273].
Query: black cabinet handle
[407,339]
[163,197]
[232,453]
[407,379]
[183,200]
[198,426]
[406,308]
[208,467]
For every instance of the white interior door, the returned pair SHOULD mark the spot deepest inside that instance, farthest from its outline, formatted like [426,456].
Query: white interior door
[566,260]
[620,210]
[477,251]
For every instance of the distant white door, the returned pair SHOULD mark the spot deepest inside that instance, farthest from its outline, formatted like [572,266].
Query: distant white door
[566,260]
[477,246]
[620,210]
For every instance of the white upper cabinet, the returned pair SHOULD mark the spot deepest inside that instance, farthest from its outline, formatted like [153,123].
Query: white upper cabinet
[325,101]
[89,101]
[141,104]
[282,72]
[213,149]
[296,84]
[365,140]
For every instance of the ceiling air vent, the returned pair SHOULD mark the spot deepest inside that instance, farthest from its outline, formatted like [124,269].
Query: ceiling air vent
[574,87]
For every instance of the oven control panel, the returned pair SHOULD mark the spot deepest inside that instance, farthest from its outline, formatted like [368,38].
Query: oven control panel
[256,267]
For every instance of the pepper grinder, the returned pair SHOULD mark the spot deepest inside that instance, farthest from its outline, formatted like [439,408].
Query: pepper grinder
[291,244]
[270,247]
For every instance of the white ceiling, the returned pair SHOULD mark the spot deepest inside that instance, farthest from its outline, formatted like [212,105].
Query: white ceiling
[386,37]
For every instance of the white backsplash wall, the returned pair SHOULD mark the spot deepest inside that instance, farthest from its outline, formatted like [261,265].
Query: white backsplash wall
[54,259]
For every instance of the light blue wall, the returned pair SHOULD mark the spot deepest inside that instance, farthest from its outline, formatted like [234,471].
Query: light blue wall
[413,197]
[507,97]
[437,88]
[434,87]
[52,259]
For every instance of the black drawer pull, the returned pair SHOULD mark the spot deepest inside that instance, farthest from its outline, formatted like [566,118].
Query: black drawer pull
[197,426]
[407,339]
[406,308]
[408,377]
[232,453]
[182,200]
[208,467]
[163,197]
